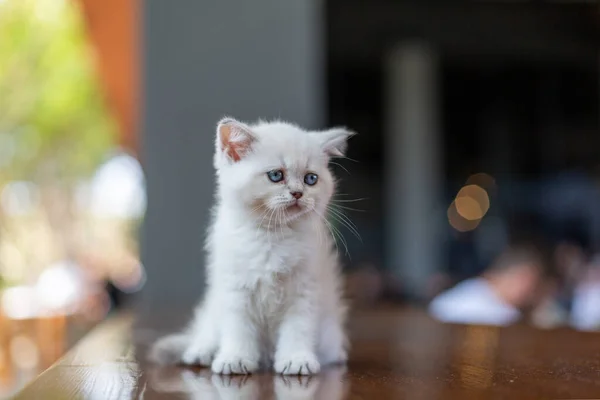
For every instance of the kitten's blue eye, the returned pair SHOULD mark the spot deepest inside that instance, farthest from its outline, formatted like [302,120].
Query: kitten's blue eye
[275,175]
[311,179]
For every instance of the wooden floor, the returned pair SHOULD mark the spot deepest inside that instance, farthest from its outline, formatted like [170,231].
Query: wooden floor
[396,354]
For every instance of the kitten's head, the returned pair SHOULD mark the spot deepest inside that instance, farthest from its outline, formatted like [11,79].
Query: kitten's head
[276,170]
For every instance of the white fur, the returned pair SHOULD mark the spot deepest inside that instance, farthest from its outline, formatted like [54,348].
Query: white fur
[273,294]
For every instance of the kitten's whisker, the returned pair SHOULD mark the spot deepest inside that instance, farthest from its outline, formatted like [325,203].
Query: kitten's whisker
[346,208]
[275,224]
[342,223]
[350,159]
[266,212]
[335,232]
[348,200]
[342,238]
[338,232]
[337,248]
[316,227]
[344,220]
[341,166]
[280,214]
[259,226]
[269,225]
[320,237]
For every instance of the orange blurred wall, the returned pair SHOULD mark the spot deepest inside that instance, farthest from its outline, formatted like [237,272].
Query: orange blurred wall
[113,29]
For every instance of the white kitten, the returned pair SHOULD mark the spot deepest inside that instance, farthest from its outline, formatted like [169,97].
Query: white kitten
[274,294]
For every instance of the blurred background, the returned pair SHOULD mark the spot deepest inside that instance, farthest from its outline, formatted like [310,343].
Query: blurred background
[71,186]
[474,182]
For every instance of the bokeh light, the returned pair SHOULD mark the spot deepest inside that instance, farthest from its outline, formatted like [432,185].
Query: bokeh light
[458,222]
[19,302]
[483,180]
[59,286]
[472,202]
[24,352]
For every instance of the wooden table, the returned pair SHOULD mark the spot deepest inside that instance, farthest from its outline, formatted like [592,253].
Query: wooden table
[30,346]
[396,354]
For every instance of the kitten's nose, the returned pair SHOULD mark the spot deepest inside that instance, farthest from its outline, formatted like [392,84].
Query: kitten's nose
[296,195]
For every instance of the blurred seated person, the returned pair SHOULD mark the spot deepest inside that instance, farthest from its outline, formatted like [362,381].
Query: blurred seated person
[571,261]
[585,310]
[496,297]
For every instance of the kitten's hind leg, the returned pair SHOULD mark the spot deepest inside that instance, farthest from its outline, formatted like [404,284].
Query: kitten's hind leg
[203,340]
[333,344]
[190,347]
[200,352]
[169,349]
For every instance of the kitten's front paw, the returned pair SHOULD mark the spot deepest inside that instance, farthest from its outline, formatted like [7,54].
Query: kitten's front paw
[297,364]
[227,364]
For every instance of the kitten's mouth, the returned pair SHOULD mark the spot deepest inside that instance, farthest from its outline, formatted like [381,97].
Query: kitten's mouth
[295,211]
[295,206]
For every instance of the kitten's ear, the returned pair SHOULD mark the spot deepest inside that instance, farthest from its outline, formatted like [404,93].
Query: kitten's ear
[234,139]
[334,141]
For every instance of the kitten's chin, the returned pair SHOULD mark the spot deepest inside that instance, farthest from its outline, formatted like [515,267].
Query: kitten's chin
[295,212]
[296,217]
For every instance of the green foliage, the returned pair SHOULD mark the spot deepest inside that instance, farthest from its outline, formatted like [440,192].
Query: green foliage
[54,124]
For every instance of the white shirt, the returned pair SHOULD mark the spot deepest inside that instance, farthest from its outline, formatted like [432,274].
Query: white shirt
[585,314]
[473,302]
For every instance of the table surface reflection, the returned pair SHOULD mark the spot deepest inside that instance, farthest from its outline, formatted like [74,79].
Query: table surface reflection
[29,346]
[396,354]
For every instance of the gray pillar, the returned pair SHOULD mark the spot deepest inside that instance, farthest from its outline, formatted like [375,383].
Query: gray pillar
[413,165]
[203,60]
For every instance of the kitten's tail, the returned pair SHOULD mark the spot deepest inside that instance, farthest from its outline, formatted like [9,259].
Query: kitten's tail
[168,350]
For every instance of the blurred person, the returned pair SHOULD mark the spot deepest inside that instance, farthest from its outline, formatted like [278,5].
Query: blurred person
[570,259]
[585,310]
[548,312]
[499,295]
